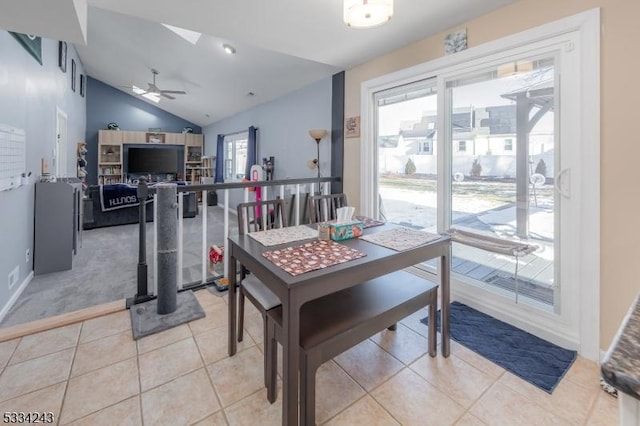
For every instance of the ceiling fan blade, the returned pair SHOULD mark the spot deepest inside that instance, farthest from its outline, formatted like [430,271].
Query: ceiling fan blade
[166,96]
[174,92]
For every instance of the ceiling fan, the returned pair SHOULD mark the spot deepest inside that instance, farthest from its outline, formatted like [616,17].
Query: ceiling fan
[153,91]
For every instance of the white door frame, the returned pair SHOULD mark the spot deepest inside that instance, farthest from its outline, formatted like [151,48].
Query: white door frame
[586,178]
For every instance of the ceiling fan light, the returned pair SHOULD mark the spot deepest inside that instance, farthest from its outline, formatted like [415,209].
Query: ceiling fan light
[367,13]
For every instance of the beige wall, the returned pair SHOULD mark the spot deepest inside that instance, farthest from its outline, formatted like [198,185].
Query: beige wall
[620,145]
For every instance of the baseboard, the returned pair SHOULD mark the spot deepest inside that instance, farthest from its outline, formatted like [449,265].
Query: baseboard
[61,320]
[7,307]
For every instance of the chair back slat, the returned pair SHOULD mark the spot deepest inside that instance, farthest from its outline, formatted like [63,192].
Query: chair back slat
[323,207]
[261,215]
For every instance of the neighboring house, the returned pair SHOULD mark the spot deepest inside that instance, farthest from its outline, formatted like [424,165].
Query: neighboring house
[487,134]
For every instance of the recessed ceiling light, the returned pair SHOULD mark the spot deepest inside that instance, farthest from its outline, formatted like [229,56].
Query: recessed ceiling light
[229,49]
[251,94]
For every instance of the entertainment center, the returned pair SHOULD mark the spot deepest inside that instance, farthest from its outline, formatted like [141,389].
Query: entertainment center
[125,155]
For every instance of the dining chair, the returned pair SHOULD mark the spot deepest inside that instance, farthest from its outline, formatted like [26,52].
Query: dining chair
[323,207]
[252,217]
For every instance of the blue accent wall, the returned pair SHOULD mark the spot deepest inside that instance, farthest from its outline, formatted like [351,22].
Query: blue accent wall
[283,132]
[30,96]
[106,104]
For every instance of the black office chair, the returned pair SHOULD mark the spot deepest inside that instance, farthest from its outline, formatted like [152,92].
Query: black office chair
[252,217]
[323,208]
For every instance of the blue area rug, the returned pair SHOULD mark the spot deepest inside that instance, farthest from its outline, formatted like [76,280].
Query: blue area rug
[537,361]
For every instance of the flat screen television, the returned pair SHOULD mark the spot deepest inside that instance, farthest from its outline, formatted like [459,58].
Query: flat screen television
[152,160]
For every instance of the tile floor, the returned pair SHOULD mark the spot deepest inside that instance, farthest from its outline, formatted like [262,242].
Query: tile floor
[94,373]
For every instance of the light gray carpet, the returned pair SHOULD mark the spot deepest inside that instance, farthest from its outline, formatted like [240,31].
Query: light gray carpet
[105,268]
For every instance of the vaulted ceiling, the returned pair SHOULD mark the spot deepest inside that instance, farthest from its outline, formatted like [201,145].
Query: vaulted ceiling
[281,45]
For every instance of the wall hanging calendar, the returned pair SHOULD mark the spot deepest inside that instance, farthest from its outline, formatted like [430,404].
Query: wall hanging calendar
[31,44]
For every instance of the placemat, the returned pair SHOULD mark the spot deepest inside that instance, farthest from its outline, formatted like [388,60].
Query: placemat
[273,237]
[367,222]
[311,256]
[400,238]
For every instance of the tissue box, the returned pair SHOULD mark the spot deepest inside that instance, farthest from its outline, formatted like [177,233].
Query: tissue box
[345,231]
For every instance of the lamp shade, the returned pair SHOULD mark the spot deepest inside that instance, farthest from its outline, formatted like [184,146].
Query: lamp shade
[317,134]
[367,13]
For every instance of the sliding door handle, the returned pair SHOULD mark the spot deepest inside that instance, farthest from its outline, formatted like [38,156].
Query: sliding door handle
[563,183]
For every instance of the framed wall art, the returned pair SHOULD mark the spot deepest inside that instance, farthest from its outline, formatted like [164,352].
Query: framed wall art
[352,127]
[62,56]
[73,75]
[82,85]
[455,42]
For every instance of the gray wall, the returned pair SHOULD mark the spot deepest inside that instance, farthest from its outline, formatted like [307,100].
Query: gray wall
[106,104]
[30,93]
[283,132]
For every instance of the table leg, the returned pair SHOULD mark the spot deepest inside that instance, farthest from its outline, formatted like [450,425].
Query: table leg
[232,306]
[445,272]
[290,362]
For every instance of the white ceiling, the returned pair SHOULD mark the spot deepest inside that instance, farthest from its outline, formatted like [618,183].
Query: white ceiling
[282,45]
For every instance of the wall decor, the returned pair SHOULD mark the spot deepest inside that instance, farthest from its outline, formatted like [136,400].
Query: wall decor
[352,127]
[62,56]
[31,44]
[455,42]
[82,84]
[73,75]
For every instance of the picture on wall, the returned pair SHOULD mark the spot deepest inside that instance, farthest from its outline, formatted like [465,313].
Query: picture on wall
[62,56]
[82,85]
[73,75]
[352,127]
[31,44]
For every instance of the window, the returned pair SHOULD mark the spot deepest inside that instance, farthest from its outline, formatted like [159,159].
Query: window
[235,156]
[508,144]
[424,147]
[462,146]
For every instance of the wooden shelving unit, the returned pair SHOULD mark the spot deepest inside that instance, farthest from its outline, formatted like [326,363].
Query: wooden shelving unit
[111,148]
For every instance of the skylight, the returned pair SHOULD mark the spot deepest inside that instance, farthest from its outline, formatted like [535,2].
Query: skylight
[191,36]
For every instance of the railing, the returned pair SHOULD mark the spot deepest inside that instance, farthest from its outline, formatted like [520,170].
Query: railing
[277,187]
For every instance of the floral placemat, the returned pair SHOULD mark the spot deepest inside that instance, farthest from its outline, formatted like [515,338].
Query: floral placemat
[273,237]
[311,256]
[367,222]
[400,238]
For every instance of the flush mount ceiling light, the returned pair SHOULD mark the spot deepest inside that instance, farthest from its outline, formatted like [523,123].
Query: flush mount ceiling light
[367,13]
[229,49]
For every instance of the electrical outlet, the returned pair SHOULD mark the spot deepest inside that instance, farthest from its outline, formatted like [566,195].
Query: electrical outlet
[13,277]
[28,255]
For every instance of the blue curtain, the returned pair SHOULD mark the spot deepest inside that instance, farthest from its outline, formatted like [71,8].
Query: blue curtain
[251,152]
[220,160]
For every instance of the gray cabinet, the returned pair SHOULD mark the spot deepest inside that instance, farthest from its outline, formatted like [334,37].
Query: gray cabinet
[55,226]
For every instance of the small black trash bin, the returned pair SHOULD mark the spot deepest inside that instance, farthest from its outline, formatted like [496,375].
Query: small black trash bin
[212,198]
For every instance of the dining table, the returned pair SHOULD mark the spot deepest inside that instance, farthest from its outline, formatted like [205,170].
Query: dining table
[295,290]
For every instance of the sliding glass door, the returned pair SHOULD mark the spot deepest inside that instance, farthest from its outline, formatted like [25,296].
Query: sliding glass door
[503,158]
[479,149]
[407,162]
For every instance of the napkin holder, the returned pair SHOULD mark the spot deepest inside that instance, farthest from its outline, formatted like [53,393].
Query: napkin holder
[345,231]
